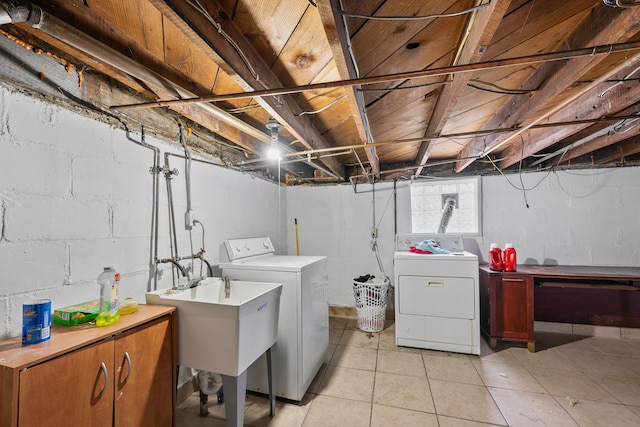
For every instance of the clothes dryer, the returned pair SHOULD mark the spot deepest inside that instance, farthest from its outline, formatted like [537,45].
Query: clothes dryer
[436,296]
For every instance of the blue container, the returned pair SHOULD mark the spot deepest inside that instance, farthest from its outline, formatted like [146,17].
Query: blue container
[36,322]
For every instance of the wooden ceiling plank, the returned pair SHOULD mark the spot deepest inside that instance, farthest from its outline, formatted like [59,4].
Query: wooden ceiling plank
[604,24]
[259,76]
[378,41]
[612,104]
[138,19]
[339,42]
[525,24]
[483,24]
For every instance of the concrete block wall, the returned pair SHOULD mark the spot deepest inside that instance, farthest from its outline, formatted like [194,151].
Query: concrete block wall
[76,195]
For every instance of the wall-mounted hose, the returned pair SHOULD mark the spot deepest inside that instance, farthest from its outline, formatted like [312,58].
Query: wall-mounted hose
[174,262]
[209,268]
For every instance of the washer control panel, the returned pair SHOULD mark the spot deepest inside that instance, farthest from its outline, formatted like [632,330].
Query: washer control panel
[248,247]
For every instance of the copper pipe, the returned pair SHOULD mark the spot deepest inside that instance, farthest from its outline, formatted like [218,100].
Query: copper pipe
[454,69]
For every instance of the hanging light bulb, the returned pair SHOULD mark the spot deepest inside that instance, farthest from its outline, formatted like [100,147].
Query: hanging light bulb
[274,127]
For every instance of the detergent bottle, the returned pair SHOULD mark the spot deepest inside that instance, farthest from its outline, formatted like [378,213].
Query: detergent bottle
[495,258]
[509,257]
[109,297]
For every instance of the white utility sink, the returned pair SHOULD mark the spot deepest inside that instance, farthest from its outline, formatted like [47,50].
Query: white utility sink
[223,335]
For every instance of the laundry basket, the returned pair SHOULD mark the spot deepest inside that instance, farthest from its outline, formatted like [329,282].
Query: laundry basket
[371,303]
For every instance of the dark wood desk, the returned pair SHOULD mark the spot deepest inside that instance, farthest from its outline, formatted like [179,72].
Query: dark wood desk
[511,301]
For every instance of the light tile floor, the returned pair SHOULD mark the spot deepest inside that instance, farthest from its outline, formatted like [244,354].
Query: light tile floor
[367,381]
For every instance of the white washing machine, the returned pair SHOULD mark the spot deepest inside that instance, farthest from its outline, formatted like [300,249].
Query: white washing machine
[436,296]
[303,325]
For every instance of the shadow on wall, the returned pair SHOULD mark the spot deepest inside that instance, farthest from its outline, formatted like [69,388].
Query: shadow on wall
[471,245]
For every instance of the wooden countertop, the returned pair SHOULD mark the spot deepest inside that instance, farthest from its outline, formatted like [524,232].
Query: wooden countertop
[573,272]
[68,338]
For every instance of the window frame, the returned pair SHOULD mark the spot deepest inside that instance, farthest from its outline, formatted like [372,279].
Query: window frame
[477,184]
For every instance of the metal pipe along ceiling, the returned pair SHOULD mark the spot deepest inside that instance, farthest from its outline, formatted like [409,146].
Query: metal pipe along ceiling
[69,35]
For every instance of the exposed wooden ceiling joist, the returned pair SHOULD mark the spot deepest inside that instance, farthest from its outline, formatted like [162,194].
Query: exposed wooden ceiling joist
[239,58]
[338,37]
[480,29]
[437,82]
[552,79]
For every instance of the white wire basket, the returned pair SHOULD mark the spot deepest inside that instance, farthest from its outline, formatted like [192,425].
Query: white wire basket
[371,304]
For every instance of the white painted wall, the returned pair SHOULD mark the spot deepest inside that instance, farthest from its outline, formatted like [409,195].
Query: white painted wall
[75,195]
[336,221]
[587,217]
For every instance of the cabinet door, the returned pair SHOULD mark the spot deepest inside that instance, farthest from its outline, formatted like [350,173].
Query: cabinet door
[516,309]
[73,389]
[144,394]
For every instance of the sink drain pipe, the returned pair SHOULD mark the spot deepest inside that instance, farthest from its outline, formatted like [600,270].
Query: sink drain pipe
[210,383]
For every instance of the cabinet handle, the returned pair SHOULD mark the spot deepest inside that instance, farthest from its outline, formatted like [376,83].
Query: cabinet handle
[506,279]
[128,359]
[436,284]
[106,379]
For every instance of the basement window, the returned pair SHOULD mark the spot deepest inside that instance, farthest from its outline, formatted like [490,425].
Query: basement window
[429,200]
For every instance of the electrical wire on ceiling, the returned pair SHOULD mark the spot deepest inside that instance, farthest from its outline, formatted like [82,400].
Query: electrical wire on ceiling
[348,40]
[624,79]
[414,18]
[196,5]
[493,88]
[329,105]
[617,128]
[246,108]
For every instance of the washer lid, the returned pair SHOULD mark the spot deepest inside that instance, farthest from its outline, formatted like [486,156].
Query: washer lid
[272,262]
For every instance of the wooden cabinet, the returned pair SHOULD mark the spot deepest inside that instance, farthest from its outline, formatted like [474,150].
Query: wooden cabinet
[506,307]
[120,375]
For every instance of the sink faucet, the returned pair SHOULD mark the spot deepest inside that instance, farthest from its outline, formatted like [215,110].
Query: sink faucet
[195,282]
[227,287]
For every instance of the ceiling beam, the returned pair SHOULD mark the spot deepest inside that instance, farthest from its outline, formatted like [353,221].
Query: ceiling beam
[197,27]
[480,28]
[603,25]
[337,34]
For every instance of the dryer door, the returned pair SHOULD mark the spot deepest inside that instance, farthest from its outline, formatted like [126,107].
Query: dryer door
[451,297]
